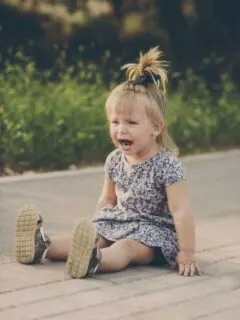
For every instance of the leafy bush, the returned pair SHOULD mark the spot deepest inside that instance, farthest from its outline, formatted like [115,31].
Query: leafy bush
[200,120]
[47,125]
[51,125]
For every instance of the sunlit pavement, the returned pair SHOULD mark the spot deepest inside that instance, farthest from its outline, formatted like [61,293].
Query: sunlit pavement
[46,291]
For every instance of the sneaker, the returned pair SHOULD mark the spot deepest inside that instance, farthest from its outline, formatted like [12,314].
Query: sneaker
[84,257]
[31,243]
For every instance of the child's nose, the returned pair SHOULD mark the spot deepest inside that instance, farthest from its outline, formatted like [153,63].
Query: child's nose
[122,128]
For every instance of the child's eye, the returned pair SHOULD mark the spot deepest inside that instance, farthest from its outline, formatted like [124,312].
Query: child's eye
[132,122]
[114,121]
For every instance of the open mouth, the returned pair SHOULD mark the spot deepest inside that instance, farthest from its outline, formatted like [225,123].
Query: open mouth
[125,142]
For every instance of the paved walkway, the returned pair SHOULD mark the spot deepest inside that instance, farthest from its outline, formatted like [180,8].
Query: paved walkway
[46,292]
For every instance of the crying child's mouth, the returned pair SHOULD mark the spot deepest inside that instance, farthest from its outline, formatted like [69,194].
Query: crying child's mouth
[125,142]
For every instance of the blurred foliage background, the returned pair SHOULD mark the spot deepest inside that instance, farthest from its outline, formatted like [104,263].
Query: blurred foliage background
[60,58]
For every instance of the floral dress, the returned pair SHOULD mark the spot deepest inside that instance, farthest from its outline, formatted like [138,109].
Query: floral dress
[142,211]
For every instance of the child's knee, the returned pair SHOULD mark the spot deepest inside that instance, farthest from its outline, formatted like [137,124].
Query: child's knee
[127,245]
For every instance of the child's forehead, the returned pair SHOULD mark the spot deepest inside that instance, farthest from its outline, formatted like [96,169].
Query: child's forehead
[125,114]
[126,110]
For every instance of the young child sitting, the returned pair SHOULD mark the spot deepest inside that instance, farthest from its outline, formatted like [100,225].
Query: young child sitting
[143,213]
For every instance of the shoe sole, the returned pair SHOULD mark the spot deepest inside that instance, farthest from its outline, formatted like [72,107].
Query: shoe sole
[82,244]
[26,227]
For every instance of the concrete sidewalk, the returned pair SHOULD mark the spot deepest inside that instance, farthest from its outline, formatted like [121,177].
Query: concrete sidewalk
[46,291]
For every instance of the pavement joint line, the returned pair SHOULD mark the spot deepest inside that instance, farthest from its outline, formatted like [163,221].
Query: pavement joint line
[232,273]
[51,298]
[173,286]
[223,259]
[150,277]
[215,313]
[99,169]
[218,247]
[168,287]
[111,283]
[34,286]
[169,304]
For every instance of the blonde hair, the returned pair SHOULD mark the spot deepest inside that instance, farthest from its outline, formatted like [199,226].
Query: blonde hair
[146,85]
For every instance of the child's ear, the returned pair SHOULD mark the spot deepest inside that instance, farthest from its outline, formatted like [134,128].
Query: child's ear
[158,128]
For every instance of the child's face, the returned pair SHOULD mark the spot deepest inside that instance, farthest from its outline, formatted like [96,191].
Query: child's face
[133,132]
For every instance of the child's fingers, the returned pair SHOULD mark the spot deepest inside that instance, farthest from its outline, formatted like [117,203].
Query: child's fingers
[193,269]
[181,268]
[186,270]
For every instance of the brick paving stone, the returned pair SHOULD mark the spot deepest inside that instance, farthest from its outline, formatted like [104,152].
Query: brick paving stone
[28,276]
[236,260]
[114,293]
[131,274]
[230,313]
[197,308]
[174,279]
[140,303]
[221,268]
[221,253]
[226,233]
[95,292]
[47,308]
[48,291]
[13,314]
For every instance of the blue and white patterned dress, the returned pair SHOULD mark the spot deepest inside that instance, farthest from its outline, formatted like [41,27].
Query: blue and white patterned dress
[142,211]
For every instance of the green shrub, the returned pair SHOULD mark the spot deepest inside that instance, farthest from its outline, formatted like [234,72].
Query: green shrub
[51,125]
[48,125]
[199,120]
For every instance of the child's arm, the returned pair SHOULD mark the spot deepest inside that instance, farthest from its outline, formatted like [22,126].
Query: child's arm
[184,223]
[108,195]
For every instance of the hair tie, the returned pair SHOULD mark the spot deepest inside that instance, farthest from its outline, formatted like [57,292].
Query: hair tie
[146,78]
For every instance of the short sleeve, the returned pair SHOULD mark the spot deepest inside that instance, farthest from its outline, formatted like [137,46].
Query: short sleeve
[107,167]
[173,171]
[110,164]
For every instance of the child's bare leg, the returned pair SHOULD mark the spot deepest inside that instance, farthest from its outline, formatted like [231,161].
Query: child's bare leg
[85,258]
[60,246]
[123,252]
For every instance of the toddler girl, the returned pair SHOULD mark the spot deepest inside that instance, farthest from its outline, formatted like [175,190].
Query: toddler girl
[143,213]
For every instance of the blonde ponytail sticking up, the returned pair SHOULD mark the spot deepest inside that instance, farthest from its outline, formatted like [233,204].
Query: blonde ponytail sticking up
[150,67]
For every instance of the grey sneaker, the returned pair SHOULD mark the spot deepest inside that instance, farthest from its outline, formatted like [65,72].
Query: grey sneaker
[84,257]
[31,243]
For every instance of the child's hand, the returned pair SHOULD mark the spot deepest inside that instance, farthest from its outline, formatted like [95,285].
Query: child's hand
[187,265]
